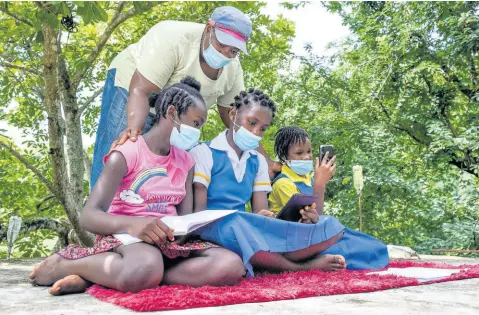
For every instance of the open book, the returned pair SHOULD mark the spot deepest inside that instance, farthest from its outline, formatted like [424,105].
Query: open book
[182,224]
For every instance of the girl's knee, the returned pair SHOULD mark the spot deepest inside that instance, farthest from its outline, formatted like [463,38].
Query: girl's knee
[229,269]
[147,274]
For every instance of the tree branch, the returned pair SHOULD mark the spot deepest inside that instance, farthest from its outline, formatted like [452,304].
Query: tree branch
[64,78]
[383,108]
[26,69]
[398,127]
[411,134]
[450,125]
[39,92]
[88,102]
[39,205]
[39,223]
[452,77]
[117,19]
[29,166]
[27,93]
[444,109]
[16,17]
[461,166]
[472,71]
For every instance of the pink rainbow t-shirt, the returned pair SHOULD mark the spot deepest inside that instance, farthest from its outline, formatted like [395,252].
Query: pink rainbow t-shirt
[154,185]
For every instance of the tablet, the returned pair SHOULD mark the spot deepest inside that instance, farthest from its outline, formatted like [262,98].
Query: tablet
[290,211]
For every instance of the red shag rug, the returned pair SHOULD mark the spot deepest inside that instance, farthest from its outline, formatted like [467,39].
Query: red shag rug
[269,287]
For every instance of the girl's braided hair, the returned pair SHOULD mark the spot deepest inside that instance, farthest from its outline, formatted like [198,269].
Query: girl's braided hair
[253,96]
[181,95]
[285,138]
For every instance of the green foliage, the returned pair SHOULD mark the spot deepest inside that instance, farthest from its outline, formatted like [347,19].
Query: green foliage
[20,194]
[22,93]
[399,98]
[35,244]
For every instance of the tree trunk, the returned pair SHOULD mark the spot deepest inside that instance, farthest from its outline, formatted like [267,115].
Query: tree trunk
[55,131]
[67,169]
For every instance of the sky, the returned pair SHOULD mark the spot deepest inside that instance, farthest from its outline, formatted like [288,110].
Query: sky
[314,25]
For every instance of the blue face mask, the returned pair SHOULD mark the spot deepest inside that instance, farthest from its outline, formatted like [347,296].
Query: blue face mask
[245,139]
[186,138]
[214,58]
[301,167]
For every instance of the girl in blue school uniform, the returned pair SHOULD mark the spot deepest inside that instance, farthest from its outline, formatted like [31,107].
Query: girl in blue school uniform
[293,149]
[229,173]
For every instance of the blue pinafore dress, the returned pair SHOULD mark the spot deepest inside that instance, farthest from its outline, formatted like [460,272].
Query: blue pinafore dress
[247,233]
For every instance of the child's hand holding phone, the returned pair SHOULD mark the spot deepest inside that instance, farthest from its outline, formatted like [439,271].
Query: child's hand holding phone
[324,169]
[309,215]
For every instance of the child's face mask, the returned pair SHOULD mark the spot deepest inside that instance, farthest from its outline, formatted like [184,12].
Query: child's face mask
[186,138]
[300,167]
[245,139]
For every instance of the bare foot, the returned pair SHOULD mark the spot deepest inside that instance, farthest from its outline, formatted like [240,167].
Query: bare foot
[48,271]
[69,284]
[327,263]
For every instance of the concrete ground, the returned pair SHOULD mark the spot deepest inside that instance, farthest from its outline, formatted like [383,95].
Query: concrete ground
[17,296]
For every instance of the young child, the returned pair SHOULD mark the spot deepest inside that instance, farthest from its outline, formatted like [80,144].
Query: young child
[293,148]
[142,182]
[229,173]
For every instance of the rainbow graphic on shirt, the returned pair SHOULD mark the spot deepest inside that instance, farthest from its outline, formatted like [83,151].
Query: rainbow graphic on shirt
[145,176]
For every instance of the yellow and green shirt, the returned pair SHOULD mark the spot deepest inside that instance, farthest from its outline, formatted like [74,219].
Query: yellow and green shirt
[284,188]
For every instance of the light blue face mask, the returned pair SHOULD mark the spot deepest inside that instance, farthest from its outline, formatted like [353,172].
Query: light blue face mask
[301,167]
[214,58]
[245,139]
[186,138]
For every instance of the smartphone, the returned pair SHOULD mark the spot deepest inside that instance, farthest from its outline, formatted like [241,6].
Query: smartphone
[322,151]
[290,211]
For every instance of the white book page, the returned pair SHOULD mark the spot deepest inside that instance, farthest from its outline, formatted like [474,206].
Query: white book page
[127,239]
[421,274]
[181,224]
[188,223]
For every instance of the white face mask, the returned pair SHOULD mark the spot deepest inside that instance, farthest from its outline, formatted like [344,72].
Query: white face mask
[245,139]
[214,58]
[300,167]
[186,138]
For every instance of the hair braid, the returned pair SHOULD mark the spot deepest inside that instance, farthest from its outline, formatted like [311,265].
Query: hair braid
[285,138]
[253,96]
[181,95]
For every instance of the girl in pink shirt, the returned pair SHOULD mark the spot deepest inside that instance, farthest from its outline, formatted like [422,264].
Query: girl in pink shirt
[142,182]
